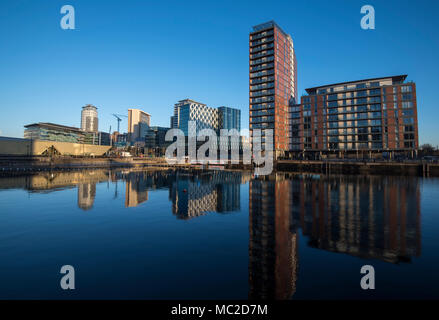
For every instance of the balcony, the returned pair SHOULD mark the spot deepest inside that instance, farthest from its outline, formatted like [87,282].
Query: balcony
[261,35]
[262,67]
[262,47]
[262,93]
[263,80]
[263,86]
[262,41]
[262,74]
[262,54]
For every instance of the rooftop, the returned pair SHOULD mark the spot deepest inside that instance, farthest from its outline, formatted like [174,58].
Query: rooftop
[140,111]
[12,139]
[89,106]
[395,79]
[187,100]
[53,126]
[267,25]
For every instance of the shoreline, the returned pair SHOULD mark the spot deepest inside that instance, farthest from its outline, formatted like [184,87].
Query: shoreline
[19,165]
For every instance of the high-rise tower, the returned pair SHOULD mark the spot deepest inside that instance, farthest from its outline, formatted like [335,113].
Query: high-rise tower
[89,118]
[273,83]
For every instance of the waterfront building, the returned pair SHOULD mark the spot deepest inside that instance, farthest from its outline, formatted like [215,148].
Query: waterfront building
[37,147]
[89,118]
[53,132]
[205,117]
[273,83]
[229,118]
[120,139]
[138,124]
[155,140]
[370,115]
[97,138]
[189,110]
[46,131]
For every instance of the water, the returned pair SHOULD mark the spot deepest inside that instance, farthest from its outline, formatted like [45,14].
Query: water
[218,235]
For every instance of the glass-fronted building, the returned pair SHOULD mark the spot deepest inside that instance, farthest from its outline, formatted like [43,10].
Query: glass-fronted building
[97,138]
[55,132]
[208,118]
[205,117]
[229,118]
[189,110]
[155,138]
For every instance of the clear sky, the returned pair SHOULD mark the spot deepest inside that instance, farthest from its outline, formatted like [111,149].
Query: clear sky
[150,54]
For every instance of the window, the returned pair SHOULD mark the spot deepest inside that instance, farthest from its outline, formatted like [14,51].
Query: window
[361,101]
[408,121]
[407,112]
[407,96]
[406,89]
[375,107]
[407,104]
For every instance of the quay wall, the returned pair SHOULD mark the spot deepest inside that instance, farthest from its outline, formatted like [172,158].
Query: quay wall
[32,164]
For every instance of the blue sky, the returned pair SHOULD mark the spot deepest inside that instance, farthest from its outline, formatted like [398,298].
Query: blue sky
[150,54]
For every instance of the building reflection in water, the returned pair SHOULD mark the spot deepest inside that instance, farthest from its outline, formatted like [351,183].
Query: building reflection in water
[192,195]
[215,191]
[86,195]
[136,192]
[46,182]
[273,259]
[364,216]
[373,217]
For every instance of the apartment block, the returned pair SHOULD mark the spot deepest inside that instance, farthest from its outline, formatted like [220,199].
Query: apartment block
[273,83]
[374,115]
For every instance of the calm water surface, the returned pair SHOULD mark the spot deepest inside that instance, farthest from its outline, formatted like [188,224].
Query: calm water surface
[167,235]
